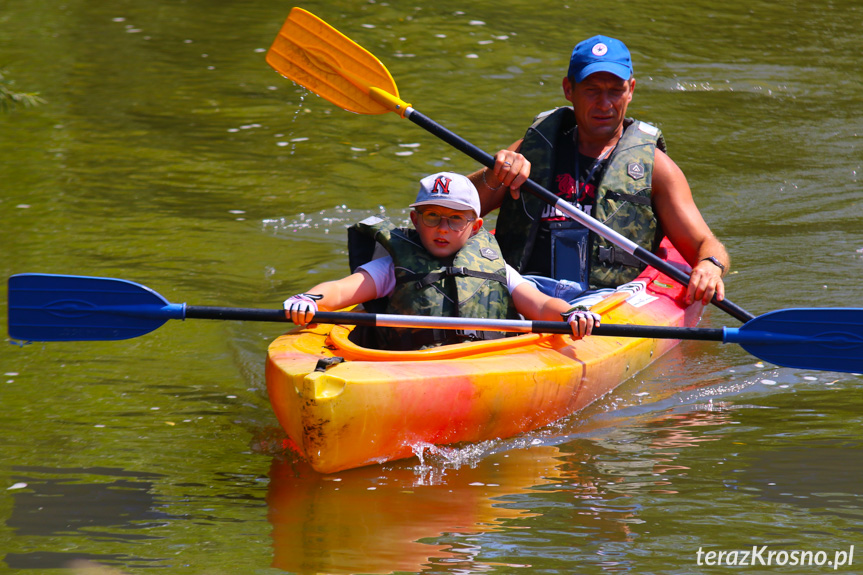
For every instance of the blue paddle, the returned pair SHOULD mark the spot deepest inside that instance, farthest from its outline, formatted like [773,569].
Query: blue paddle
[45,307]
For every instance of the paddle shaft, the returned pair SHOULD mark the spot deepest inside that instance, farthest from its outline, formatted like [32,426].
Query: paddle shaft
[50,307]
[433,322]
[592,224]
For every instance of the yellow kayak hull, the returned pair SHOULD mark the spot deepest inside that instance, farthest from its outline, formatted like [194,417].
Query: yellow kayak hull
[379,405]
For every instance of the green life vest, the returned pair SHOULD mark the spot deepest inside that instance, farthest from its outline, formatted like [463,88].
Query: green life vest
[473,285]
[623,198]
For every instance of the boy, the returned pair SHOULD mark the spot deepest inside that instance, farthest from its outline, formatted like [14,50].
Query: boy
[449,266]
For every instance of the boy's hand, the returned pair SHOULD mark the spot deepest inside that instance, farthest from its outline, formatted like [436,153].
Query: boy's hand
[301,308]
[582,322]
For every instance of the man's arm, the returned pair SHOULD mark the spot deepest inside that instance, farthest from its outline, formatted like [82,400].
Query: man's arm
[511,170]
[685,227]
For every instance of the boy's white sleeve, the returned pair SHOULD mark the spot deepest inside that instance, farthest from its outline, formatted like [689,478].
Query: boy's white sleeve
[383,272]
[513,279]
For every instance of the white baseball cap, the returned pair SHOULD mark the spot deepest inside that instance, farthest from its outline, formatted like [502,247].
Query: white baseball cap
[449,190]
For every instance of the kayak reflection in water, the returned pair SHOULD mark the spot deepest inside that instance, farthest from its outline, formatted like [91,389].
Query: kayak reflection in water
[448,265]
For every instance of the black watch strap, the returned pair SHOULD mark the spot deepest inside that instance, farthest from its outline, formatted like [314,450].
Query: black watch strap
[715,262]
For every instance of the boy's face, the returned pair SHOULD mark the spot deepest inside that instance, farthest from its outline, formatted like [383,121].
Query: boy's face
[441,240]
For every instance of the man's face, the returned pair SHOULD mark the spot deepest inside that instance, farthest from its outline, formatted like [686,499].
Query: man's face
[441,240]
[600,103]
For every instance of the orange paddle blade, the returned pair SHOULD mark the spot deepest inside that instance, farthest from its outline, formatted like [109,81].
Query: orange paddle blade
[318,57]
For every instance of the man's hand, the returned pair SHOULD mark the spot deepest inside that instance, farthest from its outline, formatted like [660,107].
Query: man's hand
[511,169]
[705,281]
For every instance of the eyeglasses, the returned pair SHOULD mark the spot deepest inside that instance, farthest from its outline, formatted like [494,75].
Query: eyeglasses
[456,222]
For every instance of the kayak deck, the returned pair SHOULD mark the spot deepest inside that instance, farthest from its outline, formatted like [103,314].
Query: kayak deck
[379,405]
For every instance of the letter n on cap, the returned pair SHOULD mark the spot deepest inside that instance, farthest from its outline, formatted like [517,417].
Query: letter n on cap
[441,185]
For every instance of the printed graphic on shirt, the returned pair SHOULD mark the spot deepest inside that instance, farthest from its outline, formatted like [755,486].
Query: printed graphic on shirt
[583,199]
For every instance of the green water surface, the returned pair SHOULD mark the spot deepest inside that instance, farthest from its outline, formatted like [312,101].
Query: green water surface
[169,153]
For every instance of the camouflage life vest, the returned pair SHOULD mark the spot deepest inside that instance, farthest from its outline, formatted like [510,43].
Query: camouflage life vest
[623,198]
[473,285]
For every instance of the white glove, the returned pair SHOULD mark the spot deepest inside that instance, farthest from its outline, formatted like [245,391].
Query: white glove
[582,321]
[301,308]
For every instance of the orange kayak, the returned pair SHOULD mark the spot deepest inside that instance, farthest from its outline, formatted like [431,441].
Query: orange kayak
[378,405]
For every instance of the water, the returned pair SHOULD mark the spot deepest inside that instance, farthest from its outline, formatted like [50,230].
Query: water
[170,154]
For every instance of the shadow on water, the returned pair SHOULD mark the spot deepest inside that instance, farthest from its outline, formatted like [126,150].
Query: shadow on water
[93,504]
[823,477]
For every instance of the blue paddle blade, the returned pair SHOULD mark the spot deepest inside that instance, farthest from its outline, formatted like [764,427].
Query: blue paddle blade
[829,339]
[45,307]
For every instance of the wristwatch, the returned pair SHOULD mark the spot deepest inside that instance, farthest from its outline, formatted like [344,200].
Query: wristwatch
[715,262]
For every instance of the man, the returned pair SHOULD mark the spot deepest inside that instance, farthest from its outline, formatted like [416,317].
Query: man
[446,266]
[613,168]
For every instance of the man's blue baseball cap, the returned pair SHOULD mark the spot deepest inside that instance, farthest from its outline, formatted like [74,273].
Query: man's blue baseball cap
[600,54]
